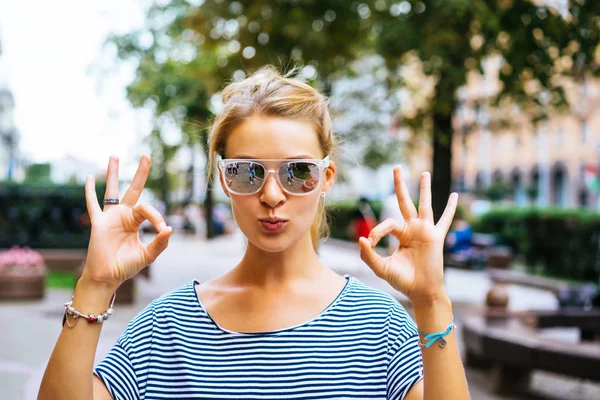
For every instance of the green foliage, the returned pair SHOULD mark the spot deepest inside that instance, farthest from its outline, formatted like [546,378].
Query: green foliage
[61,280]
[38,173]
[565,243]
[44,215]
[496,191]
[188,50]
[247,34]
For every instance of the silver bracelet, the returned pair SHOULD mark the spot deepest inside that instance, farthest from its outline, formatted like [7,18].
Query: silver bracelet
[97,318]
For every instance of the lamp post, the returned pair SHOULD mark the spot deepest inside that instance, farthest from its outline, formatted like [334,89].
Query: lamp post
[8,132]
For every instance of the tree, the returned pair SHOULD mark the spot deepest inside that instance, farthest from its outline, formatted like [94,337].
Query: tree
[188,50]
[322,37]
[38,173]
[176,82]
[453,38]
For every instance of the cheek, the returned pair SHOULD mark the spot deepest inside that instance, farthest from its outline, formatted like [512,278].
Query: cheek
[242,210]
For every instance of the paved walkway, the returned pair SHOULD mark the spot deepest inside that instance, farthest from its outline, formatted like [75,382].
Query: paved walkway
[30,329]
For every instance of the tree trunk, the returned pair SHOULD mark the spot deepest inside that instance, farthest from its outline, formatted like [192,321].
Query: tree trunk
[189,197]
[208,210]
[441,180]
[164,183]
[208,198]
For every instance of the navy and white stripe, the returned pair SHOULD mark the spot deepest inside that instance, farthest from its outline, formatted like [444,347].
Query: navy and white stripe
[362,346]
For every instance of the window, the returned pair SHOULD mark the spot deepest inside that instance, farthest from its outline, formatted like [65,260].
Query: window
[559,136]
[584,131]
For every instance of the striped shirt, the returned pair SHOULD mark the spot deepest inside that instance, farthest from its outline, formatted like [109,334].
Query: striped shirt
[364,345]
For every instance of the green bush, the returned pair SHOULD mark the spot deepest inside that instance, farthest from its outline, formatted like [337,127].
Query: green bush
[44,215]
[565,243]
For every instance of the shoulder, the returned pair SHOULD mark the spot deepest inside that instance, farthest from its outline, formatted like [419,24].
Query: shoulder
[178,301]
[382,307]
[180,298]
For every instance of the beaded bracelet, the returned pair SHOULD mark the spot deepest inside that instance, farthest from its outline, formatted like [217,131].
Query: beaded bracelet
[97,318]
[437,336]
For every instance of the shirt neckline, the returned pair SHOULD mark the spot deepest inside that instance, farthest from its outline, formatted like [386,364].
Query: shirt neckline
[326,310]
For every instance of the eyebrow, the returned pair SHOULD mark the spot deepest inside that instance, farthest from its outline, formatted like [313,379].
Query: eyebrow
[299,157]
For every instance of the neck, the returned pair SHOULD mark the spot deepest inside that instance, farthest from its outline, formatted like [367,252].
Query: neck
[266,269]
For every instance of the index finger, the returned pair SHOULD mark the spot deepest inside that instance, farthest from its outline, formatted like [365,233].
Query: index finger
[91,199]
[133,193]
[446,218]
[407,208]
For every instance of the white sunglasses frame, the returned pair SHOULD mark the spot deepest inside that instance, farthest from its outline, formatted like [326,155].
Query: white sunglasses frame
[321,164]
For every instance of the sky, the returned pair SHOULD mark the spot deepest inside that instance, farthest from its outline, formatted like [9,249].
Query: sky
[69,90]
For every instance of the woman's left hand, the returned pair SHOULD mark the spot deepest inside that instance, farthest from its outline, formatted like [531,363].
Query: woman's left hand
[416,268]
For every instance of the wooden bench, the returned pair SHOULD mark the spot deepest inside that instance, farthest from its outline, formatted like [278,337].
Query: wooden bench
[483,253]
[520,278]
[512,348]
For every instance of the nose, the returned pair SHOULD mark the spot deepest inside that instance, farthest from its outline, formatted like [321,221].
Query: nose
[271,193]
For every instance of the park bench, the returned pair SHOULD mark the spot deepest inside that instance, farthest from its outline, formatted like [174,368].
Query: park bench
[584,296]
[512,347]
[484,253]
[523,279]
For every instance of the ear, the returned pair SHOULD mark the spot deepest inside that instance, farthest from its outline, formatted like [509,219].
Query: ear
[329,175]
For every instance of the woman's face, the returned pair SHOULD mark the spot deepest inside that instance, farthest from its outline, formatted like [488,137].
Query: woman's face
[275,138]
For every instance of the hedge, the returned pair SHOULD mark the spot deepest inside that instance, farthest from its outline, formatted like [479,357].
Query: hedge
[564,243]
[44,216]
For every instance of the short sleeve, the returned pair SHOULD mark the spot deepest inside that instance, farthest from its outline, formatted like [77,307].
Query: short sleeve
[405,368]
[126,361]
[118,374]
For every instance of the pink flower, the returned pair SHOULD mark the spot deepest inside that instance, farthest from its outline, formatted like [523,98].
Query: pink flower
[21,261]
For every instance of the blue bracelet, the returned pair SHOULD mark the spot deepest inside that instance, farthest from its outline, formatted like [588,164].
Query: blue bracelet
[435,336]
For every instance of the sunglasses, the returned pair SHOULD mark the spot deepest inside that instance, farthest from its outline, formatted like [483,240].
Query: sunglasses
[296,177]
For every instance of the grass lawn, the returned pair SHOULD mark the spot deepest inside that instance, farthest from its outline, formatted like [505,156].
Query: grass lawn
[60,280]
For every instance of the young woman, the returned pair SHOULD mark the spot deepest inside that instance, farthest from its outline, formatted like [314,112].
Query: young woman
[279,324]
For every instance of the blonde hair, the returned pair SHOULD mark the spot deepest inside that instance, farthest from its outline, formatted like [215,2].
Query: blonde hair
[270,94]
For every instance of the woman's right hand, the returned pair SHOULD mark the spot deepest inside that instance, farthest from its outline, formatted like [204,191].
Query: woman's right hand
[115,252]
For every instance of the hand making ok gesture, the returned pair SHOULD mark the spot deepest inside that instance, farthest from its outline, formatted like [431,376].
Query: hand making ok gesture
[115,252]
[416,268]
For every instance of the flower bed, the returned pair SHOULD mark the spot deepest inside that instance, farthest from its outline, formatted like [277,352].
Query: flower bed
[22,274]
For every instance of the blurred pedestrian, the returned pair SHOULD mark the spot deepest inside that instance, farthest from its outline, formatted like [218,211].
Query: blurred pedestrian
[363,220]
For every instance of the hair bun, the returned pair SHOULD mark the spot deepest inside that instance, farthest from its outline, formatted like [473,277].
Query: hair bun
[251,84]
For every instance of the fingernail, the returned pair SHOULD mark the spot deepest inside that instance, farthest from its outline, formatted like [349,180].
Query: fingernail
[371,241]
[162,226]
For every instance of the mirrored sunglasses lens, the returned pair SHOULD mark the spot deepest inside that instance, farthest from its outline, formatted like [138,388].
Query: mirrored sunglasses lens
[299,177]
[244,177]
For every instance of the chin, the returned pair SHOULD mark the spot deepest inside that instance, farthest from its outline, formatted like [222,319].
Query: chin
[272,243]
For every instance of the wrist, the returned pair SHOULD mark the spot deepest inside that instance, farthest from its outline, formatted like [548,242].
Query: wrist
[433,315]
[92,297]
[439,300]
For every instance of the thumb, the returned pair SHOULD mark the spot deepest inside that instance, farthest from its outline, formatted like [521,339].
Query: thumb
[371,258]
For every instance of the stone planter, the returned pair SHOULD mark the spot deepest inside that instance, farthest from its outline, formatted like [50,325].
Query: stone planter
[63,260]
[22,274]
[22,287]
